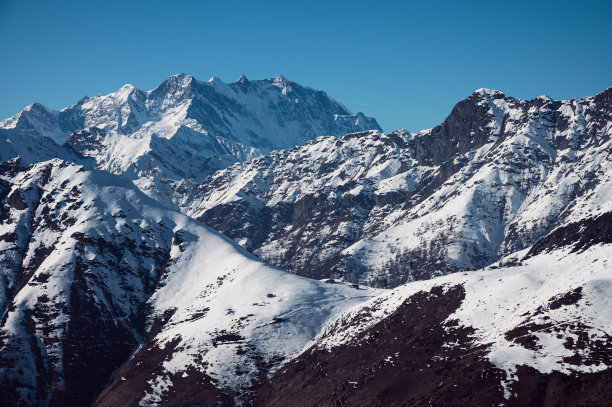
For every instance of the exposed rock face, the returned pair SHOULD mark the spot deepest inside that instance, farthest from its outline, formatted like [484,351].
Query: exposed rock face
[383,209]
[75,280]
[578,235]
[469,126]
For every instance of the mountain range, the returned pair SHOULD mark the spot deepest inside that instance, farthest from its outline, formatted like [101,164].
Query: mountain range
[181,131]
[383,209]
[467,264]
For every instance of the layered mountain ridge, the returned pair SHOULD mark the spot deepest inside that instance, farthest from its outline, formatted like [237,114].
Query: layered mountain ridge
[111,297]
[384,209]
[98,281]
[184,129]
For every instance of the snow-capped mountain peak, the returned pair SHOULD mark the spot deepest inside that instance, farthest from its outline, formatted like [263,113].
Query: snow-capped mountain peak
[184,129]
[215,80]
[35,120]
[281,82]
[492,93]
[497,175]
[125,91]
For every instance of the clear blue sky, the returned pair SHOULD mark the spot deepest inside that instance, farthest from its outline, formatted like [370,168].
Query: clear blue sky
[405,63]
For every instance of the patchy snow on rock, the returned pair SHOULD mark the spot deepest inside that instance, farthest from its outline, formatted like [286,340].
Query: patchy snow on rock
[495,177]
[553,313]
[85,256]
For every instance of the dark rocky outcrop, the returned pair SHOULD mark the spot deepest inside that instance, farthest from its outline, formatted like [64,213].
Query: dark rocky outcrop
[578,235]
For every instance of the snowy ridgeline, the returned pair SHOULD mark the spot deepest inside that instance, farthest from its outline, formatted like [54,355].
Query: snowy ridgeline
[382,209]
[185,128]
[91,253]
[94,272]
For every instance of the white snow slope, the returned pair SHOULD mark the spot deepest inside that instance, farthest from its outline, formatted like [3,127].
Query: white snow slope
[91,252]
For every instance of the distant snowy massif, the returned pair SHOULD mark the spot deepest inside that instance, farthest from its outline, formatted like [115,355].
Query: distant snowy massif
[468,264]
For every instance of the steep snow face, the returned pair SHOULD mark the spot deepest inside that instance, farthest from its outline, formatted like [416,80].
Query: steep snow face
[36,120]
[234,316]
[491,180]
[92,269]
[186,128]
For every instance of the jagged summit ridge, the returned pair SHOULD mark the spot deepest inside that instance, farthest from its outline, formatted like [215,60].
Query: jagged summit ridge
[497,175]
[181,97]
[489,92]
[184,129]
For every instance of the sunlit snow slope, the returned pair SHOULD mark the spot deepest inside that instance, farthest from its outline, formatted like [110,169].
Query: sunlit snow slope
[93,270]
